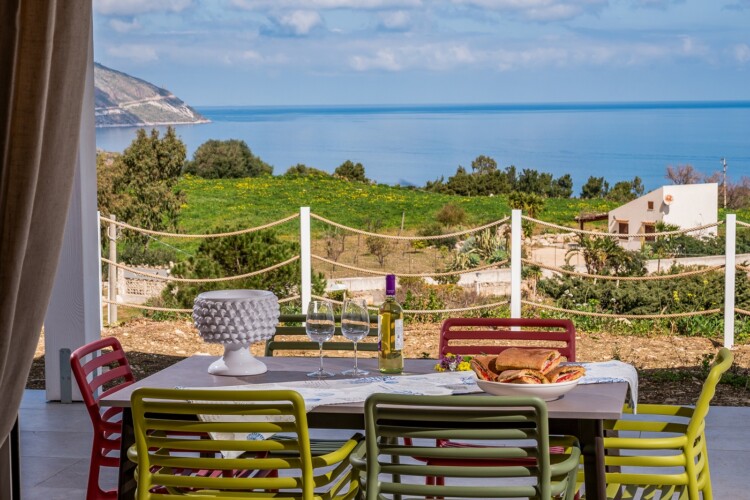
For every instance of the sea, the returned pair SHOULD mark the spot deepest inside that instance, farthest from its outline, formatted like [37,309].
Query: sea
[413,144]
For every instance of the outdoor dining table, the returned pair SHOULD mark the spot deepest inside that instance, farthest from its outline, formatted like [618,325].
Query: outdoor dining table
[580,412]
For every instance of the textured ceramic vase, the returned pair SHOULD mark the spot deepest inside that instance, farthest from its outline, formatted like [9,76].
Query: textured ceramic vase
[236,318]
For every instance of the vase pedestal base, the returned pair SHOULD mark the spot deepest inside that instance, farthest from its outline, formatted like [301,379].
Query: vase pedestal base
[237,361]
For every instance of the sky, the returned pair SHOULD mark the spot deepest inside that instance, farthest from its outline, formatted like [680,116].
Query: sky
[338,52]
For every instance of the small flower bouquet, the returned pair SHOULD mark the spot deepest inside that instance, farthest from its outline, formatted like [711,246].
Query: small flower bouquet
[453,363]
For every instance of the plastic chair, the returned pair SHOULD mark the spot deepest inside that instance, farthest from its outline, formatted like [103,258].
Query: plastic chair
[294,338]
[675,438]
[474,336]
[100,368]
[167,463]
[506,427]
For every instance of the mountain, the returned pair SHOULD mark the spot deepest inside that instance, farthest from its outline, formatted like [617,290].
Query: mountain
[122,100]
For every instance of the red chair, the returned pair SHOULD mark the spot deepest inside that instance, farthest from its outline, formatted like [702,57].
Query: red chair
[559,334]
[478,336]
[100,368]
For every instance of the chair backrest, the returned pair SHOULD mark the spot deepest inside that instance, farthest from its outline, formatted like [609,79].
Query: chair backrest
[721,364]
[474,336]
[238,423]
[297,340]
[502,427]
[100,368]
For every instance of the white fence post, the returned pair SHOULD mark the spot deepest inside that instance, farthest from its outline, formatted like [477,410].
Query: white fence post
[516,233]
[112,306]
[730,252]
[99,266]
[305,264]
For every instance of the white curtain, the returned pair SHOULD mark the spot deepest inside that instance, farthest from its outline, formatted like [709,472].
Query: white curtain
[44,50]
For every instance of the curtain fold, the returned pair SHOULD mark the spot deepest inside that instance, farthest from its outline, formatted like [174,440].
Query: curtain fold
[44,51]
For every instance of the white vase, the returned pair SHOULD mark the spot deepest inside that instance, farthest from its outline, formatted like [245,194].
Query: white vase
[236,318]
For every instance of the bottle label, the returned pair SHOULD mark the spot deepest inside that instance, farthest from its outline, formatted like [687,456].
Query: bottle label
[399,334]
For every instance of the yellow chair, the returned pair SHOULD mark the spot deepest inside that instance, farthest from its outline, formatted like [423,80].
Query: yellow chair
[670,450]
[176,456]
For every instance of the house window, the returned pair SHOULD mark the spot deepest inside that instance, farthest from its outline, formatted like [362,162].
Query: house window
[650,205]
[623,228]
[649,229]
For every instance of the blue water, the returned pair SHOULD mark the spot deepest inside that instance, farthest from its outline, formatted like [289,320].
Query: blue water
[414,144]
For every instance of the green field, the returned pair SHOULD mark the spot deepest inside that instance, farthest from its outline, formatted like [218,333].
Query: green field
[248,202]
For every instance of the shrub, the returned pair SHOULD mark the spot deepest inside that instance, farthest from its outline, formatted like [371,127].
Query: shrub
[451,215]
[229,159]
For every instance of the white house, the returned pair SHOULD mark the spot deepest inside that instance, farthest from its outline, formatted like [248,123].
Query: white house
[683,205]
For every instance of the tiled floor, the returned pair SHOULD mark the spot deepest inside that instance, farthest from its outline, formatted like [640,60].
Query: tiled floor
[56,442]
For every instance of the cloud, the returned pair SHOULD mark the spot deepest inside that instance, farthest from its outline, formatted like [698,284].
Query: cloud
[656,4]
[397,20]
[133,7]
[298,22]
[324,4]
[428,56]
[741,53]
[134,52]
[539,10]
[121,26]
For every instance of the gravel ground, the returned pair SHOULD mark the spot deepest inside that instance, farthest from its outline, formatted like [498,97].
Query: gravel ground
[670,367]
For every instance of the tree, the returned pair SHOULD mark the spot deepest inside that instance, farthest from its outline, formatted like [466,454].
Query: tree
[563,187]
[301,170]
[530,203]
[139,185]
[354,172]
[683,174]
[229,159]
[451,215]
[379,248]
[483,165]
[595,187]
[234,255]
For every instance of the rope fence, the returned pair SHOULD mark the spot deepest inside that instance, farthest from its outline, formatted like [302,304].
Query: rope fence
[656,277]
[619,235]
[164,234]
[618,316]
[410,238]
[410,275]
[200,280]
[515,300]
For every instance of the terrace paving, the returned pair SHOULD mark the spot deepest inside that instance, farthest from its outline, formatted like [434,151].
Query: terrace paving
[56,443]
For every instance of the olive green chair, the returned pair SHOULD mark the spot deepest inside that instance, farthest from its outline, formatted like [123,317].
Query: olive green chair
[501,427]
[670,450]
[173,464]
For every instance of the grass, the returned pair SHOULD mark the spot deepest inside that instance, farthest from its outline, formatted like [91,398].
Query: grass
[255,201]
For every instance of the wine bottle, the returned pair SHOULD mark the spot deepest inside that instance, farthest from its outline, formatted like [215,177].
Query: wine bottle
[390,330]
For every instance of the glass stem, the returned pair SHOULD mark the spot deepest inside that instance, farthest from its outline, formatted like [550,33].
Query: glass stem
[321,357]
[356,369]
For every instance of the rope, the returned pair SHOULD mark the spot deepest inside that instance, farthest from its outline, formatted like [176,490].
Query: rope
[429,311]
[410,238]
[125,225]
[742,268]
[408,275]
[169,309]
[742,311]
[744,224]
[623,278]
[626,316]
[200,280]
[619,235]
[148,308]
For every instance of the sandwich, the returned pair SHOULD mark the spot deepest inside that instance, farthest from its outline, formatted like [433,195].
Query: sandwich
[566,373]
[482,367]
[525,376]
[514,358]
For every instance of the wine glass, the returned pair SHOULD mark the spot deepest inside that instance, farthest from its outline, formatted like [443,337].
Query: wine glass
[355,325]
[320,326]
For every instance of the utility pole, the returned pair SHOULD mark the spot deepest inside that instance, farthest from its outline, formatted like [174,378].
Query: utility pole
[724,163]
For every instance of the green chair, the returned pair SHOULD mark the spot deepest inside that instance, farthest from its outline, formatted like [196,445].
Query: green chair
[505,427]
[670,451]
[173,464]
[290,335]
